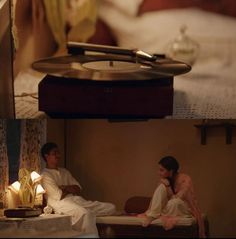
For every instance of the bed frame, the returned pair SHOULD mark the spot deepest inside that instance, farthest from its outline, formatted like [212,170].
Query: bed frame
[133,231]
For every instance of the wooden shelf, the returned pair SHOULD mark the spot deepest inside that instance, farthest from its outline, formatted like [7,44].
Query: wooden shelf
[205,126]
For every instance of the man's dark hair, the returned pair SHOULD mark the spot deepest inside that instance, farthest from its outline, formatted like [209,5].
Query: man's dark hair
[169,163]
[46,148]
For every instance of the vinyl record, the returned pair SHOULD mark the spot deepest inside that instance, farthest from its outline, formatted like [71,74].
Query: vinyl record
[110,67]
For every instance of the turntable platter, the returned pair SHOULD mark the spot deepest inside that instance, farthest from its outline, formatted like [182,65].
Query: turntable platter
[109,67]
[112,66]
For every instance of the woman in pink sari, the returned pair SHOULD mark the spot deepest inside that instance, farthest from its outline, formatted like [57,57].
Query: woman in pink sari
[174,198]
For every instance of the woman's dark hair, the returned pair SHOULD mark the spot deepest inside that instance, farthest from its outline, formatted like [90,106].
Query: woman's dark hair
[170,163]
[46,148]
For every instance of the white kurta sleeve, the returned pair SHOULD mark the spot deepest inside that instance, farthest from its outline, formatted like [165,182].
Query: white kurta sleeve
[71,179]
[52,190]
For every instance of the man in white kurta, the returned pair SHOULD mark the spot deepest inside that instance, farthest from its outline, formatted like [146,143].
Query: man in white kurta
[63,194]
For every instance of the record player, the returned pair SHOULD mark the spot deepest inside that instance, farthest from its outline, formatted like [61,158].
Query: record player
[97,81]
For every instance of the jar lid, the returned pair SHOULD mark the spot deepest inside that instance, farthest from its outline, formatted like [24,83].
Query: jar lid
[183,48]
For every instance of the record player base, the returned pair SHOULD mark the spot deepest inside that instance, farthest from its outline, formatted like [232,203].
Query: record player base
[73,98]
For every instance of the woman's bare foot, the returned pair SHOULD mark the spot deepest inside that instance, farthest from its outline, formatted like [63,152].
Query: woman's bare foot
[142,215]
[148,221]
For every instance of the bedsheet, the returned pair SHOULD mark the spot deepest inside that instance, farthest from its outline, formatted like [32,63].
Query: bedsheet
[133,220]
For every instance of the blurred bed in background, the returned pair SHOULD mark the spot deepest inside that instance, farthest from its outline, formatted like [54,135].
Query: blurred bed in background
[208,91]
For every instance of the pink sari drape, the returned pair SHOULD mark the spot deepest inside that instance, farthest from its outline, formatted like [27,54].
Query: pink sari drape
[184,190]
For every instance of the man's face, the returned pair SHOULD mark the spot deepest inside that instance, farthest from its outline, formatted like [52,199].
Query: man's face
[53,157]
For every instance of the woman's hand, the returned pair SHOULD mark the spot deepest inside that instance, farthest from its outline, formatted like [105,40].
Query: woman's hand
[165,182]
[169,190]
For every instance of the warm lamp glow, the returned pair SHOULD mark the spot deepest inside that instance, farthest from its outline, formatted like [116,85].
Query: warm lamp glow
[40,190]
[35,177]
[29,187]
[15,186]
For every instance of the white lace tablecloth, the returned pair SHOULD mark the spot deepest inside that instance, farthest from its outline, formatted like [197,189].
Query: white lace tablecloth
[206,93]
[43,226]
[26,95]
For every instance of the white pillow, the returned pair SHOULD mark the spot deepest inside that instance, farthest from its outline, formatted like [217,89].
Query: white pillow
[129,7]
[152,31]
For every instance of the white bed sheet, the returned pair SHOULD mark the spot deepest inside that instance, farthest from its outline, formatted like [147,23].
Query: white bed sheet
[132,220]
[44,226]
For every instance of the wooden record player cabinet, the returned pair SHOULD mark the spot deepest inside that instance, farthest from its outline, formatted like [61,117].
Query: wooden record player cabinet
[74,98]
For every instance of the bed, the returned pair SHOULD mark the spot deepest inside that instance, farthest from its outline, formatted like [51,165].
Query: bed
[128,225]
[131,227]
[207,92]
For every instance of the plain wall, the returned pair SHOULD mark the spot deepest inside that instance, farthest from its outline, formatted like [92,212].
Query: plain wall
[114,161]
[56,133]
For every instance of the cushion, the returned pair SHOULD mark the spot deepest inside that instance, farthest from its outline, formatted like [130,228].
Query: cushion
[130,7]
[226,7]
[103,35]
[216,33]
[137,204]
